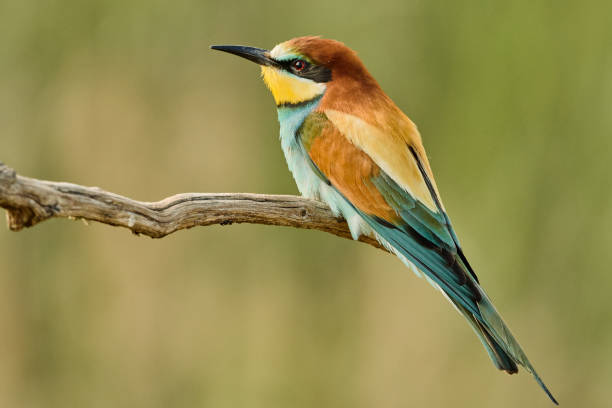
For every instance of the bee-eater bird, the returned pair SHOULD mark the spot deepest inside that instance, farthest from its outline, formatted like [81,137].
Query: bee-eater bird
[349,145]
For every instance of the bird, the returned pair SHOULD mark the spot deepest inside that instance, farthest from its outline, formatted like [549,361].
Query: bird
[349,145]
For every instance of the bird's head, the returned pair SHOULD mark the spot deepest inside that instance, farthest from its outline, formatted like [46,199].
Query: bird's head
[304,68]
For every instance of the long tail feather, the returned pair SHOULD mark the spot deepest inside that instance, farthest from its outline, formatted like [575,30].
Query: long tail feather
[504,350]
[497,354]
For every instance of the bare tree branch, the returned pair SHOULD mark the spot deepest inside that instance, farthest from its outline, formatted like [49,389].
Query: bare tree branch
[29,201]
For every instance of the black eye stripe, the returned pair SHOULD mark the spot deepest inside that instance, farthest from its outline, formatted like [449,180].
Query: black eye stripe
[317,73]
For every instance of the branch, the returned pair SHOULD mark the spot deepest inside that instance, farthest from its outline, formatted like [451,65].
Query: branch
[29,201]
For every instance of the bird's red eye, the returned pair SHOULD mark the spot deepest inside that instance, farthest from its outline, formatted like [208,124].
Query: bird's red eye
[298,65]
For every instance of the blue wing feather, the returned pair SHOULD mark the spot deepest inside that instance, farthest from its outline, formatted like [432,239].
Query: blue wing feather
[426,239]
[423,239]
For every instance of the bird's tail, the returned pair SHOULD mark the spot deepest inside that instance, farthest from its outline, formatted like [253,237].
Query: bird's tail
[502,347]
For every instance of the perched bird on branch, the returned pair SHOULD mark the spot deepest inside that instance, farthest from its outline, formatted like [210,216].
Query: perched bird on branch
[349,145]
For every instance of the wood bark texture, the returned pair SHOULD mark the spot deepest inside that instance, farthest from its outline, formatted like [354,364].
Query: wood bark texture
[29,201]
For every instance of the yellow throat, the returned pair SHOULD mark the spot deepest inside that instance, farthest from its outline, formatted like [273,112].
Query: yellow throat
[287,88]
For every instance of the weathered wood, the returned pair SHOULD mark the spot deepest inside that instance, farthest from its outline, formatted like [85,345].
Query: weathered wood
[29,201]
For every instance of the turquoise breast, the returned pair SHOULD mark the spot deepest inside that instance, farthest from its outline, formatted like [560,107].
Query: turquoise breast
[309,181]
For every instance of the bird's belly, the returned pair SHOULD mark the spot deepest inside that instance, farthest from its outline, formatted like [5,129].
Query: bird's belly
[312,185]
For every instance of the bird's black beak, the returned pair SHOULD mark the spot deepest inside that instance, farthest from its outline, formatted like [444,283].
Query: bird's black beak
[257,55]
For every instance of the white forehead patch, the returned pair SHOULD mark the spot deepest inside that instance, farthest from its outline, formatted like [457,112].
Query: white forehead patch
[278,51]
[282,53]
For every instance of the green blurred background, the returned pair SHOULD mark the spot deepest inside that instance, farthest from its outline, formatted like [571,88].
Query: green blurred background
[514,102]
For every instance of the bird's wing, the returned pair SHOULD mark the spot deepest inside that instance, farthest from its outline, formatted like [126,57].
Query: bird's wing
[385,183]
[398,152]
[387,180]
